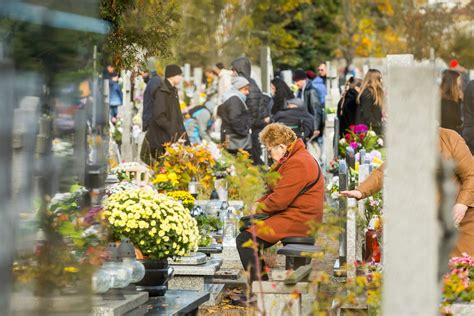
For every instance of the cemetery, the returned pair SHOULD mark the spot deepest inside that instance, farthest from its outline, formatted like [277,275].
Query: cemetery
[88,227]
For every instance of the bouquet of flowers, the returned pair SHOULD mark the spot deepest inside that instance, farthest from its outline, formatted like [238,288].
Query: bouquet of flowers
[333,188]
[165,181]
[458,284]
[156,224]
[185,197]
[61,148]
[121,186]
[123,170]
[186,162]
[358,137]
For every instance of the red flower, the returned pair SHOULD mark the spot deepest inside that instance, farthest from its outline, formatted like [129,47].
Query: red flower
[348,136]
[361,136]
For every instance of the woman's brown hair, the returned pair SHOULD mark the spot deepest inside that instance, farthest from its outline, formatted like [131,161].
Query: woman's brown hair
[373,83]
[450,89]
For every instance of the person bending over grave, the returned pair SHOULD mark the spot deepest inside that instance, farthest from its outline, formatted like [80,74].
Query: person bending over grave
[295,116]
[296,199]
[452,147]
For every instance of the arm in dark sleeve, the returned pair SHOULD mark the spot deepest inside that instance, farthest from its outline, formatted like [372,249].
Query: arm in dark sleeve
[253,105]
[318,109]
[308,126]
[160,112]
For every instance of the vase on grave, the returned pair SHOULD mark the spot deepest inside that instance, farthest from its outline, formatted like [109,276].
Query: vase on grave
[372,247]
[157,275]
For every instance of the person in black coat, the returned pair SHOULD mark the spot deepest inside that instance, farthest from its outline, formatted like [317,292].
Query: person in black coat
[370,101]
[451,97]
[311,100]
[295,116]
[235,116]
[281,93]
[468,111]
[167,120]
[258,111]
[347,105]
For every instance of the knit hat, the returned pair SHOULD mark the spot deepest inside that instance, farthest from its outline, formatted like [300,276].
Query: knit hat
[299,74]
[453,63]
[172,70]
[296,101]
[239,82]
[311,74]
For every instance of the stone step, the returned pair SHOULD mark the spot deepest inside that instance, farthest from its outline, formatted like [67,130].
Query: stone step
[230,274]
[217,294]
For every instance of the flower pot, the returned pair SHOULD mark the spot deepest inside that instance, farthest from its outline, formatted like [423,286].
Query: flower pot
[157,274]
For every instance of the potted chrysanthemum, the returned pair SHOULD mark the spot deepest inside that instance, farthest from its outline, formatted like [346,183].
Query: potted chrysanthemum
[159,226]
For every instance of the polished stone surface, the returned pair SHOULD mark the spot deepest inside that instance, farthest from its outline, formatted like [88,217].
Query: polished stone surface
[117,308]
[177,302]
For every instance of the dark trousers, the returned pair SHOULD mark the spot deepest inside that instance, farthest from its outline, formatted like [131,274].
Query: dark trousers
[247,255]
[113,110]
[256,150]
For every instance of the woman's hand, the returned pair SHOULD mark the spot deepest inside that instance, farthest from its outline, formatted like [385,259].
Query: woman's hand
[356,194]
[459,210]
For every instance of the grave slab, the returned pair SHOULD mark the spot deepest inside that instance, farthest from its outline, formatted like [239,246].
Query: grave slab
[177,302]
[117,308]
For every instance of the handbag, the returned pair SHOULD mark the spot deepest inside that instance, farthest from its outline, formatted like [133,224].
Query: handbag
[246,222]
[236,142]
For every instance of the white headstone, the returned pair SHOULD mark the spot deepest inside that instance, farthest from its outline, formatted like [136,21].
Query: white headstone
[126,115]
[411,232]
[287,76]
[187,72]
[197,77]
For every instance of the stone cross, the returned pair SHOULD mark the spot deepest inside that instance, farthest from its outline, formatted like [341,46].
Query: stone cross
[411,234]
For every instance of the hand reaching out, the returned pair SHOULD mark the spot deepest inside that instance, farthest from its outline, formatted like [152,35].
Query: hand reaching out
[356,194]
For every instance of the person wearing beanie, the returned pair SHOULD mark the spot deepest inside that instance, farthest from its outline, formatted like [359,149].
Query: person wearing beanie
[167,124]
[311,99]
[310,74]
[234,113]
[295,116]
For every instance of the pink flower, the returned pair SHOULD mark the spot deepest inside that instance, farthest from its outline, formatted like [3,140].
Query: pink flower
[354,145]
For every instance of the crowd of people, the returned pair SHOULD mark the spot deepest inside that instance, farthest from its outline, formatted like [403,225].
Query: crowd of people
[244,118]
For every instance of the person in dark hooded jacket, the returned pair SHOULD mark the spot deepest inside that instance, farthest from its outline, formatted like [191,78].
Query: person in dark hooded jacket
[295,116]
[259,113]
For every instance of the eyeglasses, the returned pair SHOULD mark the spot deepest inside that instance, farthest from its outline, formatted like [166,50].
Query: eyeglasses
[270,149]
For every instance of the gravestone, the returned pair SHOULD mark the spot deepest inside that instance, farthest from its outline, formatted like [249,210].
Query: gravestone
[267,68]
[351,237]
[187,72]
[197,77]
[127,110]
[411,234]
[287,76]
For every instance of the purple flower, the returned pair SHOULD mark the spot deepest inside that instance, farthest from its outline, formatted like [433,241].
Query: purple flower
[360,128]
[91,215]
[375,153]
[354,145]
